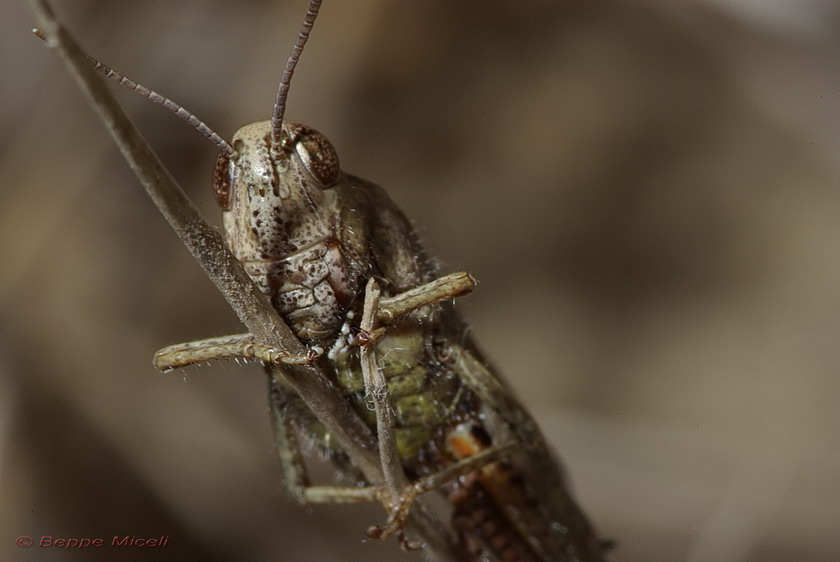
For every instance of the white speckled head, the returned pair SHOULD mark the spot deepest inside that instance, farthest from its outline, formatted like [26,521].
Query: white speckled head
[282,218]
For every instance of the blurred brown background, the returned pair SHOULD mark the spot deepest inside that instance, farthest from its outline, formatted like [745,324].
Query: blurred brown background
[647,191]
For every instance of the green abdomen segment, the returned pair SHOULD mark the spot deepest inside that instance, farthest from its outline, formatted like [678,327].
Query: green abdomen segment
[428,398]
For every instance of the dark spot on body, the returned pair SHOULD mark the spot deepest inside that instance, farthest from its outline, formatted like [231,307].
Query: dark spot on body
[481,435]
[517,481]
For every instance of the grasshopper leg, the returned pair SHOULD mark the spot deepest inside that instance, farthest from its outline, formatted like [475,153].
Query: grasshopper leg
[291,458]
[390,309]
[444,288]
[244,346]
[377,388]
[286,440]
[464,466]
[239,346]
[294,469]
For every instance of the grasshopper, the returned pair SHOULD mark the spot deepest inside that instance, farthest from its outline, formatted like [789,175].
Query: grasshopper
[343,267]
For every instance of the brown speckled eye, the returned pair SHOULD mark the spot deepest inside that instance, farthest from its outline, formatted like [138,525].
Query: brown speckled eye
[316,154]
[221,181]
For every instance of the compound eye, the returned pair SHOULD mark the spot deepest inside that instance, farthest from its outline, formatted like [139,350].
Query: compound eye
[316,154]
[222,181]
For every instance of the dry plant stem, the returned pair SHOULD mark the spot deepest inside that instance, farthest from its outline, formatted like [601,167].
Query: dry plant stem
[247,301]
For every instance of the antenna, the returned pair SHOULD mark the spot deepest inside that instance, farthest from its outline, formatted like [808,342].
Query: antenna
[286,78]
[155,97]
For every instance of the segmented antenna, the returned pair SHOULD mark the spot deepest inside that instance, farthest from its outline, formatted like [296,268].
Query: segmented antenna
[155,97]
[286,78]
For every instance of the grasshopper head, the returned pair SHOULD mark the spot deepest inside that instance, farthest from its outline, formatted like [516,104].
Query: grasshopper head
[303,149]
[283,217]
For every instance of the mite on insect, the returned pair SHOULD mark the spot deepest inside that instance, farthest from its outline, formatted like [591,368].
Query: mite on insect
[341,264]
